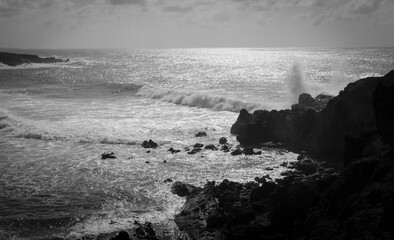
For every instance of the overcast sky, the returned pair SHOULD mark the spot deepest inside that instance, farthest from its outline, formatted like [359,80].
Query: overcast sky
[196,23]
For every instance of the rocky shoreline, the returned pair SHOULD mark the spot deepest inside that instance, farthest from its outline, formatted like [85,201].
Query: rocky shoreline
[355,128]
[353,131]
[14,59]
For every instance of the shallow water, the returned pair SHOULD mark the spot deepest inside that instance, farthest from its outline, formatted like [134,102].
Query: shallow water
[56,120]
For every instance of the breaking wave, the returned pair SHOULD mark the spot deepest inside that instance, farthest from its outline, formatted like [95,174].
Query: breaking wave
[198,99]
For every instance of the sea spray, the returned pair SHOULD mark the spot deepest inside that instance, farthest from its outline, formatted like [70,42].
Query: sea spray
[296,84]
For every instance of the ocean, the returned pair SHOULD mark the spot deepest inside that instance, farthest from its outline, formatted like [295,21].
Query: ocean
[57,119]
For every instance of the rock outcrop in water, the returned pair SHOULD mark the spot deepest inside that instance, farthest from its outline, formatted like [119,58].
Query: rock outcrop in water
[317,125]
[13,59]
[311,202]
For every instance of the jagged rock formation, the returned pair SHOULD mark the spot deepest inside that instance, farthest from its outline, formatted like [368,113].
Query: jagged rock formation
[318,125]
[13,59]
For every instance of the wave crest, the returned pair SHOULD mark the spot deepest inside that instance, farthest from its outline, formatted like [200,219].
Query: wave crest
[197,99]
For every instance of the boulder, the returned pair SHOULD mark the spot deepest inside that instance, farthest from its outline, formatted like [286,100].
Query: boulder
[122,235]
[236,152]
[211,147]
[184,189]
[242,122]
[198,145]
[222,140]
[106,155]
[149,144]
[172,150]
[201,134]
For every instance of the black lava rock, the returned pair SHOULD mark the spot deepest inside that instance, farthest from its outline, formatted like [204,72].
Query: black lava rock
[108,155]
[149,144]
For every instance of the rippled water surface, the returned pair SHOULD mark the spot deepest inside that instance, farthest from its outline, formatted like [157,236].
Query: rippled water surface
[56,120]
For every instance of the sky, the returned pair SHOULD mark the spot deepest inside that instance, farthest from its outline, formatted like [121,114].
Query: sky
[196,23]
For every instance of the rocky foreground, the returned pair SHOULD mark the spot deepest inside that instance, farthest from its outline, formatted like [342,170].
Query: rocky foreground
[13,59]
[355,128]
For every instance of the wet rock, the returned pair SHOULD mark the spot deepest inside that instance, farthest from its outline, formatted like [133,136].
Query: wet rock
[145,231]
[201,134]
[168,180]
[184,189]
[149,144]
[283,164]
[225,148]
[307,166]
[106,155]
[172,150]
[305,100]
[260,179]
[236,152]
[194,151]
[198,145]
[248,151]
[242,122]
[122,235]
[222,140]
[211,147]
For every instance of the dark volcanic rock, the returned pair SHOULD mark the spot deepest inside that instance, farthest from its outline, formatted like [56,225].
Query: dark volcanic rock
[222,140]
[149,144]
[320,125]
[184,189]
[201,134]
[384,110]
[242,122]
[236,152]
[13,59]
[306,101]
[172,150]
[198,145]
[122,235]
[108,155]
[145,231]
[211,147]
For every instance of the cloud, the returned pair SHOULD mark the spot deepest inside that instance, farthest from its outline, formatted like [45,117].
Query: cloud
[363,6]
[314,3]
[178,9]
[221,17]
[8,12]
[123,2]
[353,10]
[323,18]
[9,8]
